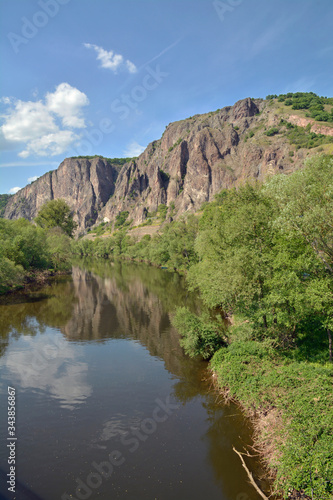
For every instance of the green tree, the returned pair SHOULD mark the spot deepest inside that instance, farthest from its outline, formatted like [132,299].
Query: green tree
[248,266]
[200,335]
[11,275]
[235,253]
[56,213]
[305,203]
[59,248]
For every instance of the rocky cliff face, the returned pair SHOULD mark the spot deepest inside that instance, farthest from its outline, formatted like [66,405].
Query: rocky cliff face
[197,157]
[194,160]
[86,185]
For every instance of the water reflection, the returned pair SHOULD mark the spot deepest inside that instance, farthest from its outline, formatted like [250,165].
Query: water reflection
[101,345]
[50,366]
[29,313]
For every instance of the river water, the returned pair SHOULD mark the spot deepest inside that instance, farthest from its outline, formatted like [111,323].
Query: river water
[107,405]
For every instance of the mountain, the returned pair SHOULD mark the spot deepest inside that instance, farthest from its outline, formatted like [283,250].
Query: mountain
[85,184]
[194,159]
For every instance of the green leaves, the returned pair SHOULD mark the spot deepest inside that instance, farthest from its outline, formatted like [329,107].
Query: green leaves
[200,335]
[56,213]
[25,247]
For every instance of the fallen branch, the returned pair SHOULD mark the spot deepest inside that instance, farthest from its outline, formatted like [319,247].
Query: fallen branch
[247,454]
[250,475]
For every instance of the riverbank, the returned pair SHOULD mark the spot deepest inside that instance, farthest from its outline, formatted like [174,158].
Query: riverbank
[32,280]
[290,405]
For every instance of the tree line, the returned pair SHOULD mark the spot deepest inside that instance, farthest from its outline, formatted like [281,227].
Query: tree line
[43,245]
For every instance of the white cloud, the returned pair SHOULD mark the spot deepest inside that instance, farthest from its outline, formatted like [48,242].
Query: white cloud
[32,179]
[50,365]
[28,120]
[50,144]
[67,102]
[134,149]
[131,66]
[110,60]
[5,100]
[14,190]
[36,123]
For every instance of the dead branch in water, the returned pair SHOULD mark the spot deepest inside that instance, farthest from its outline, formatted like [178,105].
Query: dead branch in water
[250,475]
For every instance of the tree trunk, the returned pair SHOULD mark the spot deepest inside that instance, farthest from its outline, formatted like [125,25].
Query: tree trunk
[329,334]
[265,321]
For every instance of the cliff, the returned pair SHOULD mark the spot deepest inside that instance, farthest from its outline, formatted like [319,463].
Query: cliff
[86,185]
[194,159]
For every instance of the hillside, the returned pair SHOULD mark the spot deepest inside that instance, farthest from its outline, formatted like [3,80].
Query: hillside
[4,198]
[193,160]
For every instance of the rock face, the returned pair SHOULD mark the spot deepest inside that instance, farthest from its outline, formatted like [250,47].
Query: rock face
[86,185]
[194,159]
[314,126]
[199,156]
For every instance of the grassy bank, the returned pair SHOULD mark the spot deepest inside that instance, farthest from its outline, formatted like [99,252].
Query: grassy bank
[290,403]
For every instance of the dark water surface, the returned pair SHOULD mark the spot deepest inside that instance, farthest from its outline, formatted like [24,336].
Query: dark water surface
[105,397]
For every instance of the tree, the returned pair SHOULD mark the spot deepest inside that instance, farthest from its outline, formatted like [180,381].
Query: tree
[58,244]
[56,213]
[235,253]
[305,203]
[247,265]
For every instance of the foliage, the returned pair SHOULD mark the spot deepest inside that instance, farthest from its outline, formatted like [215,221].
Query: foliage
[307,101]
[172,248]
[164,176]
[59,248]
[272,131]
[266,253]
[175,144]
[162,211]
[56,213]
[24,244]
[11,275]
[113,161]
[200,335]
[4,198]
[298,392]
[304,138]
[121,219]
[25,247]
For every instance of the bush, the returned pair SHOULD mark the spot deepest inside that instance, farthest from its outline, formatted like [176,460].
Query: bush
[162,211]
[272,131]
[121,219]
[200,335]
[260,378]
[11,276]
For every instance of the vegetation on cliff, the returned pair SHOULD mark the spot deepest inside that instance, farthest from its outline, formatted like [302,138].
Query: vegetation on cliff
[3,202]
[318,108]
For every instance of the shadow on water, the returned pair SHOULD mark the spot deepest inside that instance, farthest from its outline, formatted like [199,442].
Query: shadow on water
[125,301]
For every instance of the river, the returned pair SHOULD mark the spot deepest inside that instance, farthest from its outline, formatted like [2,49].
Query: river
[107,405]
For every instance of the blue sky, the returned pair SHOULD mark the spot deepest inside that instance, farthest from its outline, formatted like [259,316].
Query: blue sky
[85,77]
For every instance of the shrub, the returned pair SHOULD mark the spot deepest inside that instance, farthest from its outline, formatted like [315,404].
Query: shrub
[200,335]
[121,219]
[272,131]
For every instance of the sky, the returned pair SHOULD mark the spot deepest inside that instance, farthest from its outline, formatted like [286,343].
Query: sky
[86,77]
